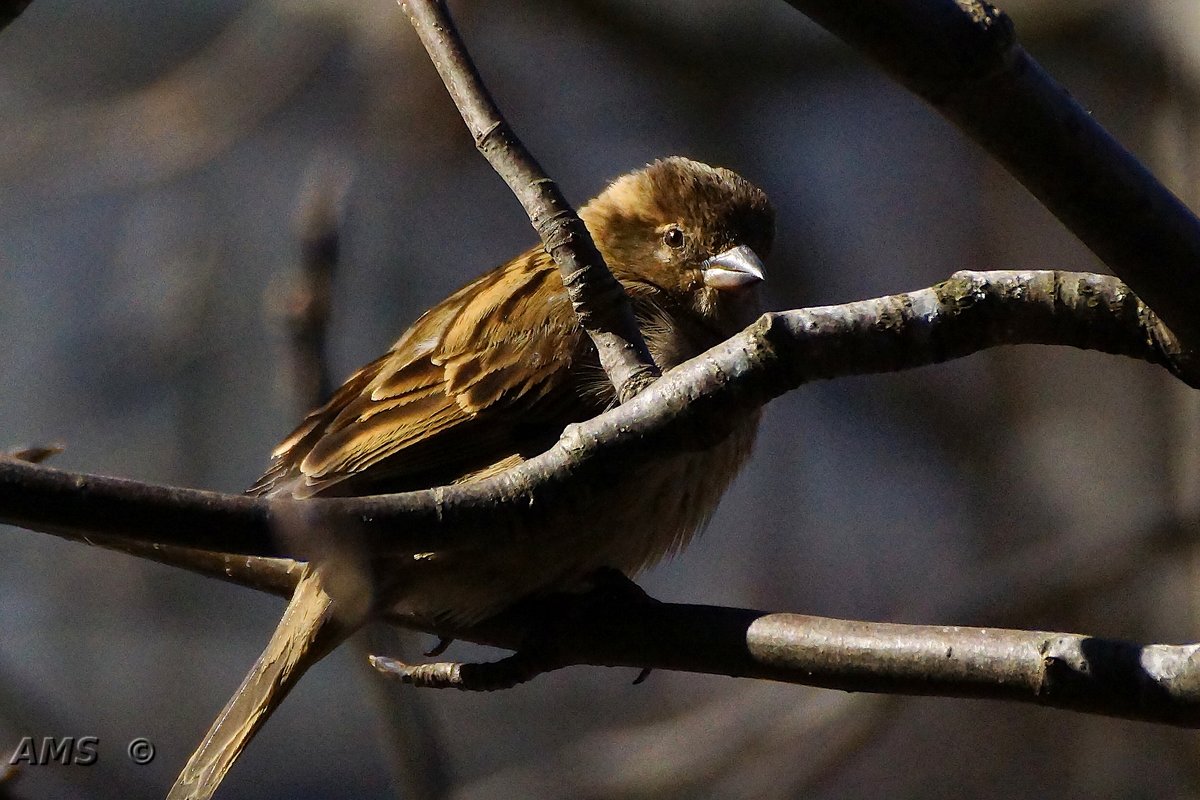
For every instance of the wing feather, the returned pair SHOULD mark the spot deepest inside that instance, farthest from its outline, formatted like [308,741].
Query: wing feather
[480,381]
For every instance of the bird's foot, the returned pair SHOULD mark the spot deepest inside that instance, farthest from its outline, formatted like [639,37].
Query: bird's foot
[609,584]
[607,595]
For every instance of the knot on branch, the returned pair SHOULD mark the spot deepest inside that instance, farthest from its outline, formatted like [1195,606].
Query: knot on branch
[993,43]
[594,293]
[1063,665]
[495,138]
[987,17]
[1171,353]
[563,229]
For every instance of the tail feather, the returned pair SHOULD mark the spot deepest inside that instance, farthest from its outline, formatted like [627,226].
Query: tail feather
[307,632]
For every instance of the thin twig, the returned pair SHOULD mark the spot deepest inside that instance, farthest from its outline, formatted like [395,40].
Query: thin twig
[600,302]
[307,299]
[1157,683]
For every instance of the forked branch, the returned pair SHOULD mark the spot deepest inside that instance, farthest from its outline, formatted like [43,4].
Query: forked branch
[604,310]
[687,406]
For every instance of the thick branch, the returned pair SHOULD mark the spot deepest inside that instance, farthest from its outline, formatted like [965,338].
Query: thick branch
[683,410]
[1158,683]
[603,309]
[962,56]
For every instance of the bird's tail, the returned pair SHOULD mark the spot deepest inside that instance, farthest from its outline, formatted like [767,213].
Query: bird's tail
[308,631]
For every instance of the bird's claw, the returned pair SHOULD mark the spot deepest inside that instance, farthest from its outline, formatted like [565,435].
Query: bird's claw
[439,648]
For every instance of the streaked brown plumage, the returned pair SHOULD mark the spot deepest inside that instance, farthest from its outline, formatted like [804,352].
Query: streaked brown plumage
[491,376]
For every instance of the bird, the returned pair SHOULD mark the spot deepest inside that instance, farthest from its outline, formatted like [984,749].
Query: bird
[490,377]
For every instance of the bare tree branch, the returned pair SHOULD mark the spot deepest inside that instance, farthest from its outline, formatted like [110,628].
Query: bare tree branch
[276,576]
[180,121]
[967,313]
[963,57]
[600,302]
[684,409]
[1157,683]
[1153,682]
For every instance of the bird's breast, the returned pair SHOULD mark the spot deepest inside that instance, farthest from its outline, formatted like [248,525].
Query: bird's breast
[629,518]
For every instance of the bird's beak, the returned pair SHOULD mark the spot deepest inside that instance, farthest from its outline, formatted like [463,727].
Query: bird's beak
[736,268]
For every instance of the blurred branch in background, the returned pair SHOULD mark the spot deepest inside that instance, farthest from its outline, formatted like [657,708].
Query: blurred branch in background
[744,745]
[1056,574]
[301,301]
[414,741]
[182,120]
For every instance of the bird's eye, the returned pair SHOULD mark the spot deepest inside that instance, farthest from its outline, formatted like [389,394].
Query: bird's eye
[673,238]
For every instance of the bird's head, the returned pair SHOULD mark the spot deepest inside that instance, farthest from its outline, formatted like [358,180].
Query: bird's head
[695,233]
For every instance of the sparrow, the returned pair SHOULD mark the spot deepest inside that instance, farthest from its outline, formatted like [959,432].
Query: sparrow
[491,376]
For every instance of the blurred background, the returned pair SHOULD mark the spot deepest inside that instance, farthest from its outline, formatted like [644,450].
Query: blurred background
[153,157]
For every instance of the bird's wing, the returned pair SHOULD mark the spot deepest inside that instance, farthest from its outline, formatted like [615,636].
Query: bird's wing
[483,378]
